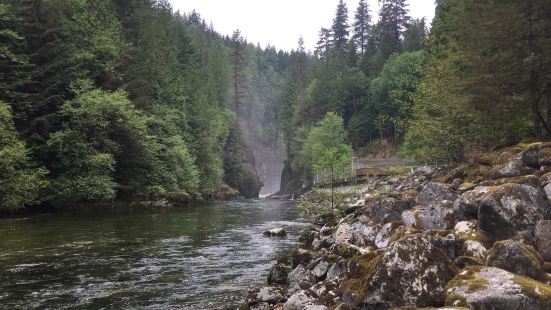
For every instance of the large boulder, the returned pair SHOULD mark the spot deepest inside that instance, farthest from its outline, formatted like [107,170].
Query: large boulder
[515,166]
[411,273]
[543,239]
[387,210]
[466,206]
[444,240]
[482,288]
[516,257]
[510,208]
[435,216]
[435,193]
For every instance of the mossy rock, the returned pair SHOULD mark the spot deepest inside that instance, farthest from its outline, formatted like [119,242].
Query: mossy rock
[303,257]
[516,257]
[493,288]
[361,269]
[421,267]
[510,208]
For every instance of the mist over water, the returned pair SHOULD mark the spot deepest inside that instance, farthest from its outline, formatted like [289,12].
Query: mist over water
[269,165]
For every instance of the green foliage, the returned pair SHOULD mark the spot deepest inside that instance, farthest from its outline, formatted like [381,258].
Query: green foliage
[481,89]
[325,205]
[21,184]
[96,125]
[104,147]
[393,90]
[325,150]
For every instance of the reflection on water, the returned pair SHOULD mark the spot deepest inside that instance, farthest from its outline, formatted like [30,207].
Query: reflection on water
[204,257]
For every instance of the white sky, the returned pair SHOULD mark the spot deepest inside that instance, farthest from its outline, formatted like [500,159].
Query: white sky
[281,22]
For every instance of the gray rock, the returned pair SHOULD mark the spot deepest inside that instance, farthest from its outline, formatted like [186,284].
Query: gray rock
[270,295]
[474,248]
[276,232]
[516,257]
[510,208]
[299,301]
[301,274]
[321,269]
[363,235]
[436,193]
[514,167]
[493,288]
[336,270]
[543,239]
[383,236]
[425,170]
[412,273]
[278,274]
[387,210]
[445,241]
[435,216]
[456,183]
[466,206]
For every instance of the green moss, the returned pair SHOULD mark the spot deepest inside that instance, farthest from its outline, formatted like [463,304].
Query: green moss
[467,278]
[536,290]
[402,232]
[361,271]
[527,250]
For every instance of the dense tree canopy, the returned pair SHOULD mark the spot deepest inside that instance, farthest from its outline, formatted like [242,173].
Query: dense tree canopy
[129,99]
[124,99]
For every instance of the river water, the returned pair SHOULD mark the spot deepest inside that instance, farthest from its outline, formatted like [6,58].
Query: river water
[203,257]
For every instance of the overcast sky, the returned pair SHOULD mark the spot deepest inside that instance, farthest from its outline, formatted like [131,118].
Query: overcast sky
[281,22]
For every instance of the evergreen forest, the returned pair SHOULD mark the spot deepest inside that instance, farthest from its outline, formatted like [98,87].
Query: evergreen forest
[104,100]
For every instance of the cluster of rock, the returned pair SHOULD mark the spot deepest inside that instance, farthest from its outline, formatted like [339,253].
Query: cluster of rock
[475,237]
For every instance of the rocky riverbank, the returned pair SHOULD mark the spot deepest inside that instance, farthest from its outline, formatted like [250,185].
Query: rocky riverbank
[477,236]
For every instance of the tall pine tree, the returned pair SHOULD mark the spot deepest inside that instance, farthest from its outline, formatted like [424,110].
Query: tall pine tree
[393,20]
[340,26]
[362,20]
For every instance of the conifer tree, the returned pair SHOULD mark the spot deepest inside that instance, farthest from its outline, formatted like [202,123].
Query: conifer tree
[362,20]
[324,42]
[393,20]
[340,26]
[237,62]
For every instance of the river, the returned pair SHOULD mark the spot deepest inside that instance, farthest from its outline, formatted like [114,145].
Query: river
[203,257]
